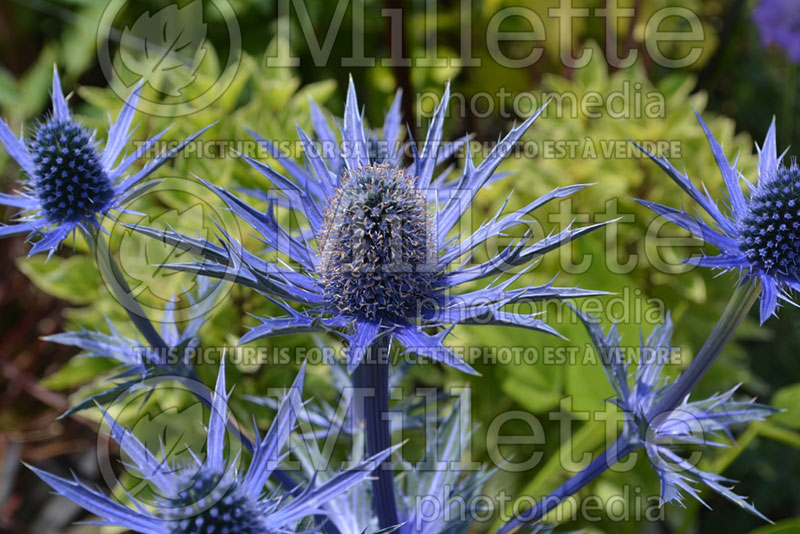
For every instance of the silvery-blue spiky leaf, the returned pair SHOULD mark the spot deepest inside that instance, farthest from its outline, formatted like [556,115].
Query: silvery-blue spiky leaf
[757,234]
[664,436]
[215,495]
[131,352]
[139,359]
[321,419]
[433,492]
[72,182]
[377,255]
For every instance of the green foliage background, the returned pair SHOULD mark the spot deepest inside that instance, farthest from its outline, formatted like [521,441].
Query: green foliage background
[727,86]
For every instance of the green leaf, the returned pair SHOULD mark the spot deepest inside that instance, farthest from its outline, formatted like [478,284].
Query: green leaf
[34,87]
[534,383]
[99,98]
[531,387]
[230,97]
[73,279]
[79,39]
[8,89]
[319,91]
[161,42]
[595,74]
[76,372]
[787,399]
[586,382]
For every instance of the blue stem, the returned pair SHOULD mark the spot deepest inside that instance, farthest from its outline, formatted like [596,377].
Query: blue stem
[115,279]
[372,376]
[735,312]
[619,450]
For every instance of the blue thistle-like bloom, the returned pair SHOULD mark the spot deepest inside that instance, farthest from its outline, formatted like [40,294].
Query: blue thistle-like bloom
[770,229]
[378,257]
[71,181]
[665,435]
[778,23]
[71,184]
[691,424]
[759,235]
[214,496]
[374,258]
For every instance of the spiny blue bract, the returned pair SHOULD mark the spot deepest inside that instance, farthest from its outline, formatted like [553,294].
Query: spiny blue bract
[770,234]
[142,357]
[214,496]
[359,218]
[439,495]
[666,436]
[70,181]
[758,236]
[377,258]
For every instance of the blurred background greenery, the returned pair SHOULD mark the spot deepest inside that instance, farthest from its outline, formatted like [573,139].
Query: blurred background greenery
[736,83]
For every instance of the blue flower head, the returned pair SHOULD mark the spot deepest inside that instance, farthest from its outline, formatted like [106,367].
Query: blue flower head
[758,236]
[377,229]
[71,181]
[778,23]
[214,496]
[378,256]
[664,435]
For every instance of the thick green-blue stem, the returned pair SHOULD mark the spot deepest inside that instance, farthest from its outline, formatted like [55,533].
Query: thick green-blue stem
[619,450]
[372,378]
[115,279]
[735,312]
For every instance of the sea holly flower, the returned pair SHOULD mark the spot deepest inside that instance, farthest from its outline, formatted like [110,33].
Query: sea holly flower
[215,495]
[165,355]
[71,181]
[664,435]
[758,236]
[778,23]
[695,423]
[378,258]
[377,261]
